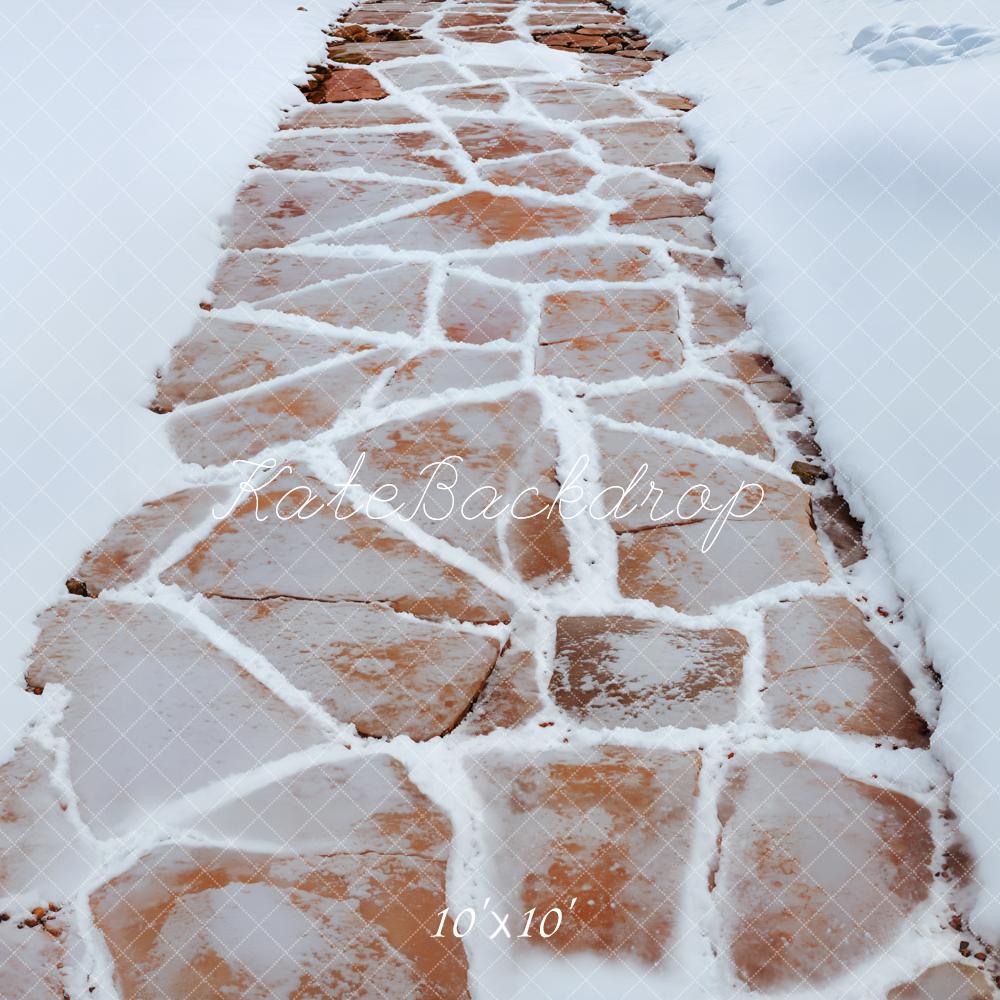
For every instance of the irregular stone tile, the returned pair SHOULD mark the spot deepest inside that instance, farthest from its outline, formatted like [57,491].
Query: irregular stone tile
[714,320]
[220,431]
[642,143]
[575,262]
[612,68]
[673,102]
[405,154]
[700,408]
[609,826]
[258,274]
[468,20]
[474,221]
[395,18]
[334,554]
[509,697]
[707,266]
[273,210]
[221,356]
[497,140]
[556,173]
[438,370]
[648,200]
[356,115]
[484,36]
[951,981]
[826,670]
[384,673]
[487,73]
[186,922]
[574,101]
[689,173]
[156,711]
[134,541]
[348,84]
[695,230]
[817,871]
[31,962]
[391,300]
[383,51]
[476,312]
[470,97]
[841,527]
[42,856]
[502,447]
[357,805]
[619,671]
[411,75]
[610,357]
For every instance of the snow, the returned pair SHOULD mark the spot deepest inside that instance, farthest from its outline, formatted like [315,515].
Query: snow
[128,129]
[858,153]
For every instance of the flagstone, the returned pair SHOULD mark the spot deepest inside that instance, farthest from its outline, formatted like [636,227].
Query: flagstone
[607,826]
[156,711]
[384,673]
[349,84]
[641,143]
[575,262]
[383,51]
[442,369]
[950,981]
[817,871]
[826,670]
[337,553]
[412,75]
[833,516]
[474,311]
[497,140]
[556,173]
[359,114]
[714,319]
[648,199]
[510,696]
[469,97]
[572,101]
[32,960]
[619,671]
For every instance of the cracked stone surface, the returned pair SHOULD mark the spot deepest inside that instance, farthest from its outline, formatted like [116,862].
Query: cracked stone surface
[269,697]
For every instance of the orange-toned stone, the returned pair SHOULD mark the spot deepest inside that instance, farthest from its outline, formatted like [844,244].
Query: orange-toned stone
[557,173]
[334,555]
[438,370]
[470,97]
[495,140]
[221,356]
[349,84]
[502,447]
[275,209]
[834,518]
[204,921]
[608,826]
[401,154]
[672,102]
[951,981]
[510,696]
[412,76]
[473,221]
[612,68]
[32,962]
[130,547]
[156,711]
[689,173]
[642,143]
[619,671]
[384,673]
[390,300]
[220,431]
[700,408]
[574,101]
[259,274]
[356,115]
[469,20]
[817,872]
[401,18]
[714,320]
[484,36]
[473,311]
[826,670]
[575,262]
[694,230]
[383,51]
[648,200]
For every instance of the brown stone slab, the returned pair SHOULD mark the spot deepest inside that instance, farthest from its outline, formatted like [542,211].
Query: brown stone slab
[473,311]
[689,173]
[32,961]
[473,221]
[413,75]
[608,826]
[221,356]
[834,518]
[574,101]
[497,140]
[951,981]
[220,431]
[275,209]
[333,555]
[647,200]
[700,408]
[134,541]
[470,97]
[556,173]
[610,357]
[402,154]
[210,921]
[618,671]
[612,68]
[383,51]
[510,696]
[484,36]
[361,114]
[826,670]
[156,711]
[357,805]
[575,262]
[349,84]
[643,143]
[385,673]
[499,450]
[818,872]
[714,320]
[442,369]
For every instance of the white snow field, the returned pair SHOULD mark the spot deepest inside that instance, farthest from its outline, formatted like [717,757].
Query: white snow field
[128,127]
[858,155]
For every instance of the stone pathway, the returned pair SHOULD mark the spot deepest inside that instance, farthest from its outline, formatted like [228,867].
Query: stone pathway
[299,745]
